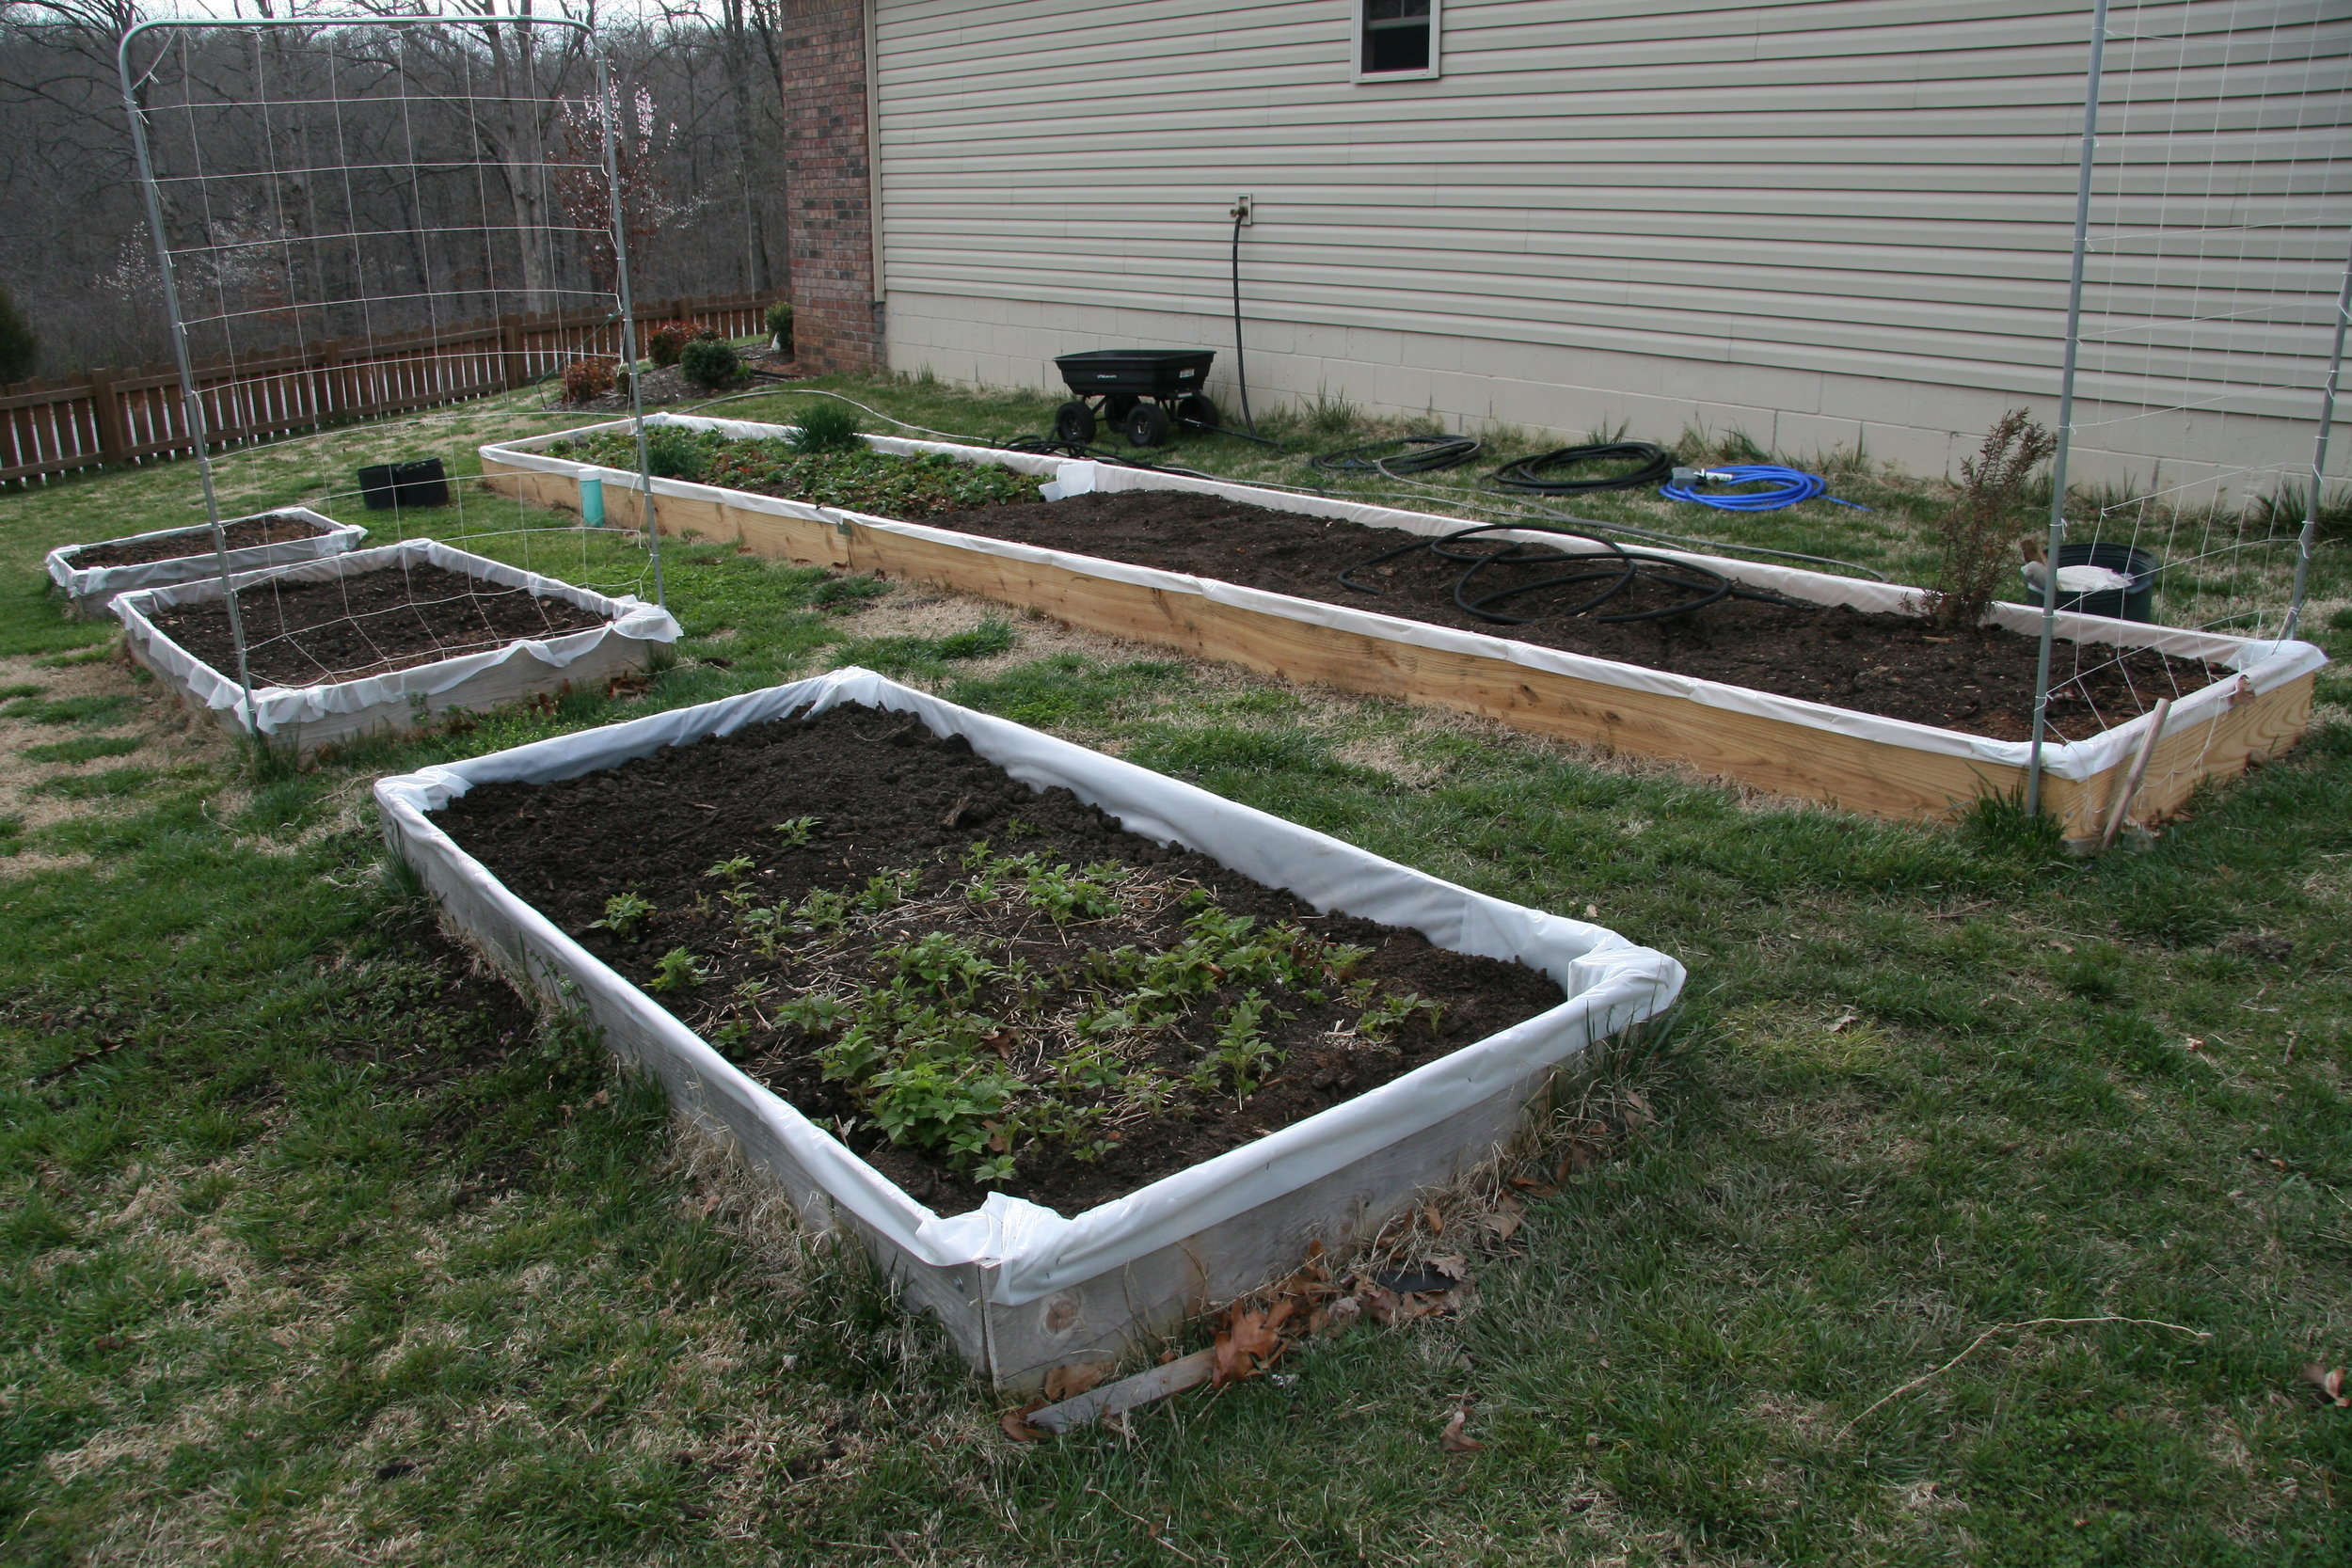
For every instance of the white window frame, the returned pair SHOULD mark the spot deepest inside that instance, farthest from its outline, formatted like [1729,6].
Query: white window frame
[1435,68]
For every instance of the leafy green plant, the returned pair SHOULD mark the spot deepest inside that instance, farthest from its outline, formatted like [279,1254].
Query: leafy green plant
[672,451]
[780,324]
[829,426]
[676,970]
[1242,1049]
[854,476]
[795,834]
[710,364]
[1385,1015]
[623,913]
[886,890]
[823,909]
[921,1031]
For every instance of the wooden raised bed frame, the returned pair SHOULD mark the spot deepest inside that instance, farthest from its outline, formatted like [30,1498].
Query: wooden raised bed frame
[1803,756]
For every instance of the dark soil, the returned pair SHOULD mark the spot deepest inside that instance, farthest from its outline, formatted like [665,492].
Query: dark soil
[244,533]
[1896,666]
[888,796]
[367,624]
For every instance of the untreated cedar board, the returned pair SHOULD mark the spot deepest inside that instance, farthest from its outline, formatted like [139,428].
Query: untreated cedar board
[1862,775]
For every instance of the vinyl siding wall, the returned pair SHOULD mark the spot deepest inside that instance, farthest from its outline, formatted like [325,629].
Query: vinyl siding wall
[1815,223]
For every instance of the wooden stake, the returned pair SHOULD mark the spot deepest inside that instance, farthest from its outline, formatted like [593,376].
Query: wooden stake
[2140,770]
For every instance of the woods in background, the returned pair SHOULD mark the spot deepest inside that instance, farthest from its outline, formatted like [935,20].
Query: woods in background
[468,161]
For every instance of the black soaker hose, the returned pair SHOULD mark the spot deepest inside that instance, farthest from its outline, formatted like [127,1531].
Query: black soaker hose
[1612,565]
[1420,454]
[1533,475]
[1241,364]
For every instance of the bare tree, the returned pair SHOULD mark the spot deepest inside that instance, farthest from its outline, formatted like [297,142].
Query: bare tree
[396,176]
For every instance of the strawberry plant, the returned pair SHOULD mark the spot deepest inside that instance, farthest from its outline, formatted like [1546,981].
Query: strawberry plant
[623,913]
[676,970]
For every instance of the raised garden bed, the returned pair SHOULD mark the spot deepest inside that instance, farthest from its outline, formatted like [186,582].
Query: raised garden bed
[1193,1143]
[383,638]
[1878,720]
[89,576]
[910,487]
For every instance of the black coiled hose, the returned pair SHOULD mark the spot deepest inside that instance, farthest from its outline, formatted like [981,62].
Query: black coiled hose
[1534,475]
[1407,455]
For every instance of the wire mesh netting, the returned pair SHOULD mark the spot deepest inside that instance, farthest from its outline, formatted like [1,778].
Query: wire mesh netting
[2215,246]
[327,249]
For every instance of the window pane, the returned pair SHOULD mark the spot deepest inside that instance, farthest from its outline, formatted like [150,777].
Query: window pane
[1396,35]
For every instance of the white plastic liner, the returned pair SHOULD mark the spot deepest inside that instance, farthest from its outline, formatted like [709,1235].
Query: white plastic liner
[1608,982]
[94,587]
[280,708]
[2260,666]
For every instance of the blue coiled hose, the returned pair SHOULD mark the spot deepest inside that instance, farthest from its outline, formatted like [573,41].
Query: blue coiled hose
[1787,488]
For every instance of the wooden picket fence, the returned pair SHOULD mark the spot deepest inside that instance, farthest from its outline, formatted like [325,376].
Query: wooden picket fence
[113,416]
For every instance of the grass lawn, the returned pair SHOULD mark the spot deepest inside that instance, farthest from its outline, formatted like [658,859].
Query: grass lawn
[318,1249]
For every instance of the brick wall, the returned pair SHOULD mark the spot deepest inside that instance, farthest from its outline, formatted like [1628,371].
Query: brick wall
[836,320]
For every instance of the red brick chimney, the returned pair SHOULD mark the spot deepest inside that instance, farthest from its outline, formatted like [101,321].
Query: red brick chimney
[837,317]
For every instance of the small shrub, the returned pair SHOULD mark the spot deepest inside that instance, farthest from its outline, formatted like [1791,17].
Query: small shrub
[673,453]
[1979,531]
[665,340]
[710,363]
[586,380]
[780,324]
[828,427]
[20,351]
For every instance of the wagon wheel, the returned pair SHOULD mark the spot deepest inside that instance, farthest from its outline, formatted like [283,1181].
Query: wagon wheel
[1118,406]
[1195,409]
[1147,425]
[1074,422]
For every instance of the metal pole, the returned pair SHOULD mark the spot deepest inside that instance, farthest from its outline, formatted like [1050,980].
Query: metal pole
[628,321]
[191,403]
[2066,404]
[2309,536]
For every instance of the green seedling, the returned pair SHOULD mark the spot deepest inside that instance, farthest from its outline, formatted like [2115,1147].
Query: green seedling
[886,892]
[823,910]
[623,913]
[677,970]
[1388,1014]
[940,963]
[1242,1050]
[734,870]
[795,834]
[1063,897]
[813,1016]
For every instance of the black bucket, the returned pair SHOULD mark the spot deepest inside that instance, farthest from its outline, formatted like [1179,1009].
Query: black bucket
[424,482]
[2136,603]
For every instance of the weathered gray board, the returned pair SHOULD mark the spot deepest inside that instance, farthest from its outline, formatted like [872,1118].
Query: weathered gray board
[408,696]
[1120,1309]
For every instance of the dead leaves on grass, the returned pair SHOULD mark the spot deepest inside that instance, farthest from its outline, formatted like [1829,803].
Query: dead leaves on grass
[1399,1280]
[1068,1382]
[1454,1439]
[2330,1382]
